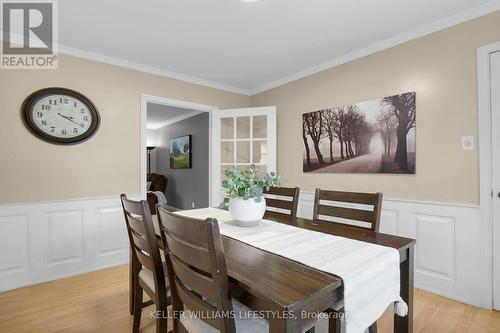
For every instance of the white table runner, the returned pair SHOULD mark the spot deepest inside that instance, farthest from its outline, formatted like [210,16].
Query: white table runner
[370,272]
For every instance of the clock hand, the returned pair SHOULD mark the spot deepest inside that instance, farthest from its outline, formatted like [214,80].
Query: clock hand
[70,119]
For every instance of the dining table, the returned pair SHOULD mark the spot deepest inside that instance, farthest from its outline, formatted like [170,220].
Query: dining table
[290,295]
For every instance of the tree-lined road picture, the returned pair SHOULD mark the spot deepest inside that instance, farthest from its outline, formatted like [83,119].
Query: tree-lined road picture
[376,136]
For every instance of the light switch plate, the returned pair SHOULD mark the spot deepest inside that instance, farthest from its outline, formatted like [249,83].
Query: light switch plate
[467,143]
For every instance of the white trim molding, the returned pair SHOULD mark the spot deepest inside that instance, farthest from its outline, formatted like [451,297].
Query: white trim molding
[448,243]
[487,8]
[50,240]
[485,169]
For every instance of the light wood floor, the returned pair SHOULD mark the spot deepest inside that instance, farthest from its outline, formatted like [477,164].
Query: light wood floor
[98,302]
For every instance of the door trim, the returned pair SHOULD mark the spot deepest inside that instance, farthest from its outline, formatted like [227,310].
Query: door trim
[145,99]
[485,169]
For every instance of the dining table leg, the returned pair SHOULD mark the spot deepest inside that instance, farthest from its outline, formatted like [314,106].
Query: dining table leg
[405,324]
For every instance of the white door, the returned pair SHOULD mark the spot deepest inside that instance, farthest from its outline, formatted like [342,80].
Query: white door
[495,116]
[240,138]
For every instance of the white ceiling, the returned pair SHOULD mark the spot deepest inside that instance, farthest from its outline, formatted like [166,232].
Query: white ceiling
[248,47]
[159,115]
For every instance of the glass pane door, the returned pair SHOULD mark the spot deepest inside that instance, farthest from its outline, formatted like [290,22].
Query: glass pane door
[242,138]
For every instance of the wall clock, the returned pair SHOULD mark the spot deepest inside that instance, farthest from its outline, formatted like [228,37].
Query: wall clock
[60,115]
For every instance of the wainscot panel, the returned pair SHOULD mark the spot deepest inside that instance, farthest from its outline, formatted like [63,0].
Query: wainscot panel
[448,249]
[45,241]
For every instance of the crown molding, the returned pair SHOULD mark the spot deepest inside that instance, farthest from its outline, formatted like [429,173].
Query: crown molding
[442,24]
[149,69]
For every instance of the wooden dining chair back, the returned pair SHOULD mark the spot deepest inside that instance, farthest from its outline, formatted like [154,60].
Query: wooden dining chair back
[361,209]
[284,200]
[148,274]
[196,270]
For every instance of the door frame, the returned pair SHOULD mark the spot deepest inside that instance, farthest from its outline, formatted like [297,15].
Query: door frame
[486,169]
[145,99]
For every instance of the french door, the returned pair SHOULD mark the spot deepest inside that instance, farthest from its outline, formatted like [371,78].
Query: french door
[241,138]
[495,135]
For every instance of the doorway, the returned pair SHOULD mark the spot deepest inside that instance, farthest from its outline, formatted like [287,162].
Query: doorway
[185,126]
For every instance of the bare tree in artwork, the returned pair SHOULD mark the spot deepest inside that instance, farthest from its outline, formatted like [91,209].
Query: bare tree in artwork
[304,137]
[331,127]
[403,107]
[387,124]
[315,129]
[339,119]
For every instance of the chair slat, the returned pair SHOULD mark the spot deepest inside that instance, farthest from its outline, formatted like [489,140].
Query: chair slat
[194,303]
[351,197]
[194,256]
[200,283]
[145,260]
[283,191]
[140,242]
[276,203]
[347,213]
[136,224]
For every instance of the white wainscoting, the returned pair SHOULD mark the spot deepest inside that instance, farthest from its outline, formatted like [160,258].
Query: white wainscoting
[50,240]
[448,250]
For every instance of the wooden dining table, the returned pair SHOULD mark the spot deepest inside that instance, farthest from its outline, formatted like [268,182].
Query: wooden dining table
[290,294]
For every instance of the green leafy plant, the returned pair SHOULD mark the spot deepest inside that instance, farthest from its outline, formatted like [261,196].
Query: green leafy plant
[247,184]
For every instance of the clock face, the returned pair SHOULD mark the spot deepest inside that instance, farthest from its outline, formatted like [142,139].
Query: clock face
[60,115]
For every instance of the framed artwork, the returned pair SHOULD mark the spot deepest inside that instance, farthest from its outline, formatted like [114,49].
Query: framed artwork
[180,152]
[376,136]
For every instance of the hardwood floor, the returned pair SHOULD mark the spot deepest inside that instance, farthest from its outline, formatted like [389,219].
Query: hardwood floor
[98,302]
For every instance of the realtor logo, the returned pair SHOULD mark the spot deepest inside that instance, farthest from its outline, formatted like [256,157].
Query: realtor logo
[29,34]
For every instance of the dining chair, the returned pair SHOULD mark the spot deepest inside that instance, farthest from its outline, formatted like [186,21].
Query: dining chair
[284,199]
[148,272]
[364,208]
[346,207]
[198,278]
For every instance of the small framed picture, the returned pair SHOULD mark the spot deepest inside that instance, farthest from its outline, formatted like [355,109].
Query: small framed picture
[180,152]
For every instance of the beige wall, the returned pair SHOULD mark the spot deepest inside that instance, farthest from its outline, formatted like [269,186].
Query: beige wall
[106,165]
[441,68]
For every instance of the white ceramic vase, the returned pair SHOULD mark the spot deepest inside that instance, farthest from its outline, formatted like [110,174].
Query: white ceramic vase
[247,213]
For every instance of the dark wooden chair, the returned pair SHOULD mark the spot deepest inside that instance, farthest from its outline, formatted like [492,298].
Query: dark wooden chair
[147,269]
[198,278]
[282,198]
[369,219]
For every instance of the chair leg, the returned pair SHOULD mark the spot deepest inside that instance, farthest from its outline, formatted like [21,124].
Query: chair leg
[131,291]
[162,315]
[373,328]
[138,295]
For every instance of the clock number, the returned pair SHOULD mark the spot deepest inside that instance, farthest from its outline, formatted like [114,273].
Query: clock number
[44,123]
[52,129]
[45,107]
[53,101]
[74,104]
[39,114]
[82,110]
[85,118]
[75,130]
[64,132]
[63,100]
